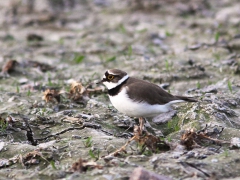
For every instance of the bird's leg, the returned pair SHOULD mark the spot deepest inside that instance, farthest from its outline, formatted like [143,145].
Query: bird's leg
[136,137]
[137,134]
[141,124]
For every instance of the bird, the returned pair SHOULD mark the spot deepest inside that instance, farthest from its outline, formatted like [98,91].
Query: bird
[138,98]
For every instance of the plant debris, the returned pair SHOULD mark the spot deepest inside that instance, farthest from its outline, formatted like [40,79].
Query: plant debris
[61,132]
[29,133]
[191,138]
[5,124]
[73,120]
[192,46]
[52,95]
[42,66]
[78,93]
[8,162]
[83,165]
[194,170]
[34,37]
[145,140]
[9,66]
[33,158]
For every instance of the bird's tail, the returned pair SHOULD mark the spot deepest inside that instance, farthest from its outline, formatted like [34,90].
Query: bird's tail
[188,99]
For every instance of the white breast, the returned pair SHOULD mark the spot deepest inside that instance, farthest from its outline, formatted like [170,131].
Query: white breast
[124,104]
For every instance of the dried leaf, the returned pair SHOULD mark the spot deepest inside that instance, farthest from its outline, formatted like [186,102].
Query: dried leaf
[150,141]
[42,66]
[51,95]
[187,139]
[192,138]
[145,139]
[33,158]
[9,66]
[73,120]
[83,165]
[34,37]
[78,92]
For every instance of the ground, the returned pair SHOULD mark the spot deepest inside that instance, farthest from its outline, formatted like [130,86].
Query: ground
[190,48]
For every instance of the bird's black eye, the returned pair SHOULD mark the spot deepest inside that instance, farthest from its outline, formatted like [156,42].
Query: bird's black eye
[110,77]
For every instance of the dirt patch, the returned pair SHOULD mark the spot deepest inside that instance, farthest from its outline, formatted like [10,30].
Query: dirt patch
[55,119]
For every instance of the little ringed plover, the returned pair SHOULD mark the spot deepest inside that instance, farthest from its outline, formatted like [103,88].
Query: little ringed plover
[138,98]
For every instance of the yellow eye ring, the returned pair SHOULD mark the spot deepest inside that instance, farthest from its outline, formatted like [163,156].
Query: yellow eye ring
[110,77]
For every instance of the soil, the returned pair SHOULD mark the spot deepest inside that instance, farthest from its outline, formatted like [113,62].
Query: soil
[51,128]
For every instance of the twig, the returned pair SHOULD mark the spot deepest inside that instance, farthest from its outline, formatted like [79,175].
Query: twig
[195,167]
[61,132]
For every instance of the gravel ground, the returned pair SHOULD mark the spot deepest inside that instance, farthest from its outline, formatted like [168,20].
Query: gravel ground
[56,122]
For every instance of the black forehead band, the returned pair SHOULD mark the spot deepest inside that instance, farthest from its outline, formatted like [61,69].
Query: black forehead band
[106,73]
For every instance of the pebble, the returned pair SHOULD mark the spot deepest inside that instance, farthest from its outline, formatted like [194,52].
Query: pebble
[214,160]
[143,174]
[164,117]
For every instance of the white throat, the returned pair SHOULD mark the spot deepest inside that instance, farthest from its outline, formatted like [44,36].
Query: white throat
[111,85]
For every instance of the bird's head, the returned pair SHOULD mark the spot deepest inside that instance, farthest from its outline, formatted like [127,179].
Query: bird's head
[113,77]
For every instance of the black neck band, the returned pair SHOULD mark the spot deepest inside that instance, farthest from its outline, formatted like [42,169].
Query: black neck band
[117,89]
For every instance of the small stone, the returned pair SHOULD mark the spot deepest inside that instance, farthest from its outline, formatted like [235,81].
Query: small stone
[76,137]
[164,117]
[97,116]
[177,154]
[235,142]
[2,144]
[214,160]
[157,41]
[164,85]
[11,99]
[116,162]
[190,154]
[23,81]
[194,47]
[47,144]
[136,159]
[154,159]
[210,89]
[111,148]
[142,174]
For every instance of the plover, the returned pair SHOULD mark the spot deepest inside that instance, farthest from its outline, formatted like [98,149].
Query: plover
[138,98]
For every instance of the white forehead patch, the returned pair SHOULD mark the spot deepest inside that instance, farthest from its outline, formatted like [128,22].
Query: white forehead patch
[111,85]
[110,72]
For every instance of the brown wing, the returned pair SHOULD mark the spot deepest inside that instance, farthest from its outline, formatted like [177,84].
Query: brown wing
[149,92]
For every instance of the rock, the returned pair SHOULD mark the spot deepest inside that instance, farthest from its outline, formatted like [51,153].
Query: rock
[228,14]
[12,99]
[142,174]
[2,144]
[209,89]
[23,81]
[164,117]
[110,148]
[47,144]
[235,142]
